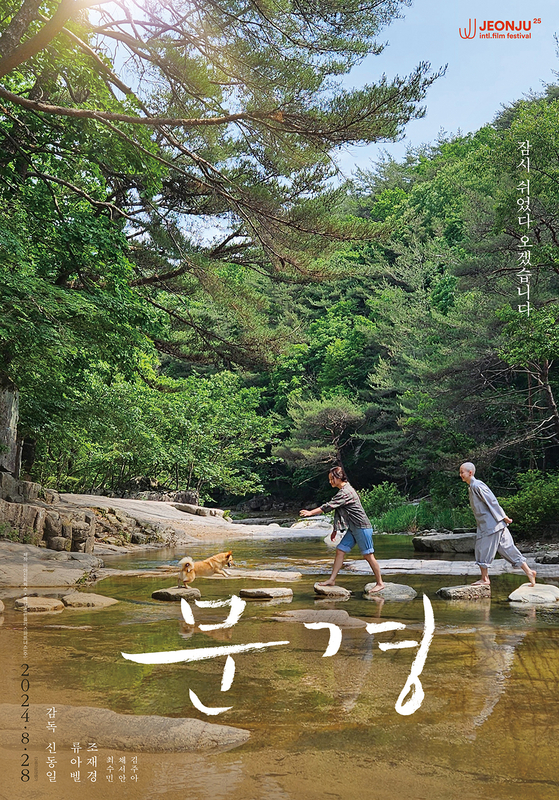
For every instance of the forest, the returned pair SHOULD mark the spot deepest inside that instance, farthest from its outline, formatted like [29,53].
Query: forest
[193,299]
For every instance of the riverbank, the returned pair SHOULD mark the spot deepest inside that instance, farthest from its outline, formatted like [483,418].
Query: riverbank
[176,526]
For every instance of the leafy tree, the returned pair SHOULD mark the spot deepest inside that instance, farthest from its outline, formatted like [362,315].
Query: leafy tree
[322,431]
[177,158]
[202,434]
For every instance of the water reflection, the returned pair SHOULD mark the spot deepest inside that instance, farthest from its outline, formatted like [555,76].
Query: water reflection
[488,726]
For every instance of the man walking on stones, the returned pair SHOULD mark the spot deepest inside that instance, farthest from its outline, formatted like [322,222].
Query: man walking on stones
[492,535]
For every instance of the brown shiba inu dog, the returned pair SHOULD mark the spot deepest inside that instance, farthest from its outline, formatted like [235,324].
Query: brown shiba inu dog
[189,570]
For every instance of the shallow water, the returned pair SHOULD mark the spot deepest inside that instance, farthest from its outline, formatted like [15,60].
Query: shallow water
[487,728]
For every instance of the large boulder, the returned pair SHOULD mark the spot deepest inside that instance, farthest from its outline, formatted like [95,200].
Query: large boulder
[540,594]
[549,558]
[445,543]
[15,491]
[391,591]
[83,531]
[468,592]
[59,543]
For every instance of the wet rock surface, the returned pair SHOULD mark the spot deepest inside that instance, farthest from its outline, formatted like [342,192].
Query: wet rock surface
[332,591]
[113,731]
[87,600]
[176,593]
[332,616]
[468,592]
[265,593]
[391,591]
[540,594]
[45,568]
[37,604]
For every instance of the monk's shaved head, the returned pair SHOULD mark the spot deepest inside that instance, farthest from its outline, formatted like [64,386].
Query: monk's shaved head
[469,466]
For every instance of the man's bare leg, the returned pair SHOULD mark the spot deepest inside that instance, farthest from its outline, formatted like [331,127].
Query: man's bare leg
[338,561]
[484,580]
[373,563]
[531,573]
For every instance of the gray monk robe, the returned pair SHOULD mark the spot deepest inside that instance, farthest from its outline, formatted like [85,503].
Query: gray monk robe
[492,534]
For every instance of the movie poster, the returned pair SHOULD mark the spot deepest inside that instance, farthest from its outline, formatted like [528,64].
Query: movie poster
[295,695]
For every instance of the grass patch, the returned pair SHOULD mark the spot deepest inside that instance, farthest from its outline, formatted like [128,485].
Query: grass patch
[422,516]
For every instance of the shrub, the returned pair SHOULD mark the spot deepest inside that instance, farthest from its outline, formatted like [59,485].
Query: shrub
[536,505]
[381,498]
[396,520]
[6,532]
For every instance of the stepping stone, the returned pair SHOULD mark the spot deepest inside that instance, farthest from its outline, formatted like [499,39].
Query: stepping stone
[540,594]
[39,604]
[468,592]
[87,600]
[333,616]
[265,594]
[1,607]
[391,591]
[176,593]
[332,591]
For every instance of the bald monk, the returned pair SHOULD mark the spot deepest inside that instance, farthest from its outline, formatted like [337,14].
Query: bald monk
[492,535]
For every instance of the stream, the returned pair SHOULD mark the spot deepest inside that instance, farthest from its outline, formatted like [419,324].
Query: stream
[321,727]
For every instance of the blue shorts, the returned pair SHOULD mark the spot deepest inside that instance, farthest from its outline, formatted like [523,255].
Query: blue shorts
[361,536]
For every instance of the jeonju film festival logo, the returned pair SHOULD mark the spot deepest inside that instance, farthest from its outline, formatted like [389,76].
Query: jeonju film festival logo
[499,29]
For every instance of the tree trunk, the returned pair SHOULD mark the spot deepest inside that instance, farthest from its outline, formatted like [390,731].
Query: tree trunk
[544,380]
[10,452]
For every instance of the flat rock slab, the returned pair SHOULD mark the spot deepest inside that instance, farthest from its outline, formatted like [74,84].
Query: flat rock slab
[391,591]
[540,594]
[437,566]
[38,604]
[87,600]
[176,593]
[317,524]
[445,543]
[45,568]
[468,592]
[334,617]
[261,574]
[125,732]
[265,594]
[332,591]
